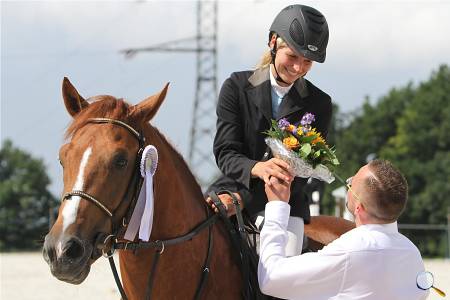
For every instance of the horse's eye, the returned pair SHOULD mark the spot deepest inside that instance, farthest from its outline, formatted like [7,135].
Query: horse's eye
[120,162]
[60,162]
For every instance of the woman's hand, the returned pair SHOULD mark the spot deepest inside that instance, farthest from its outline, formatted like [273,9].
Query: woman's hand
[228,202]
[273,167]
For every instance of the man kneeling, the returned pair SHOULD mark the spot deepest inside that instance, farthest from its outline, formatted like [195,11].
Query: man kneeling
[372,261]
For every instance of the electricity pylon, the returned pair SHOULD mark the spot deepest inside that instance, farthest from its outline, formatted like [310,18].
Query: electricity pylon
[203,125]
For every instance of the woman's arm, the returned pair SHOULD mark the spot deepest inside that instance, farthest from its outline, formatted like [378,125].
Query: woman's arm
[229,142]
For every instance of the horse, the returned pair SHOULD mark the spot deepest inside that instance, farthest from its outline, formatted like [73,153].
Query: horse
[100,162]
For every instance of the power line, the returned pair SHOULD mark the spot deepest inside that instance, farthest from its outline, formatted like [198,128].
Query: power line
[204,44]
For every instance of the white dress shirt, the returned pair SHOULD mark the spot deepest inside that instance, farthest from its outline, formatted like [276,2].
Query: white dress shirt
[369,262]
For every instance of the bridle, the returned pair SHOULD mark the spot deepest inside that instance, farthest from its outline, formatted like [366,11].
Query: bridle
[159,245]
[116,227]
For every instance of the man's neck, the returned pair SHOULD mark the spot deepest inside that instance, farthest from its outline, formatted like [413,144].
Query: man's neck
[366,220]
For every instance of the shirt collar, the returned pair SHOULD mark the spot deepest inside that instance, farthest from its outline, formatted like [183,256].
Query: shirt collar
[279,90]
[389,228]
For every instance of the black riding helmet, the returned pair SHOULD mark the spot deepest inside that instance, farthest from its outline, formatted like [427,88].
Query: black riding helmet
[304,29]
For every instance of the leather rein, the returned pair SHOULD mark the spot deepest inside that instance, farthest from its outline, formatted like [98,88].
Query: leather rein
[103,240]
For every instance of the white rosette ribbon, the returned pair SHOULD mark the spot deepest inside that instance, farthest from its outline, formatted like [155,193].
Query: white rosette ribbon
[299,167]
[142,217]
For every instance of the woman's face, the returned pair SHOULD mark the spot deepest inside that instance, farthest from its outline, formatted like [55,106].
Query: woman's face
[290,65]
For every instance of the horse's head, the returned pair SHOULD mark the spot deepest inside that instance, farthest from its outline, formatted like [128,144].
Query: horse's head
[100,174]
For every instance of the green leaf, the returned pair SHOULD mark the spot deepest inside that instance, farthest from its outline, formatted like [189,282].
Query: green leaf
[306,149]
[316,154]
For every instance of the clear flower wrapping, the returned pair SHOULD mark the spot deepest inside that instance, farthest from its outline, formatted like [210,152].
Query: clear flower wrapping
[300,167]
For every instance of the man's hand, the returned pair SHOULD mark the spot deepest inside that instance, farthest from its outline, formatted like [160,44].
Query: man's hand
[273,167]
[278,189]
[228,202]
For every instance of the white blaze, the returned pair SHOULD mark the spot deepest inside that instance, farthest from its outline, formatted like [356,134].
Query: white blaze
[59,249]
[70,210]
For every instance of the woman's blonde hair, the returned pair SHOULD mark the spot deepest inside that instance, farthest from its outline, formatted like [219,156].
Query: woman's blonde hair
[266,59]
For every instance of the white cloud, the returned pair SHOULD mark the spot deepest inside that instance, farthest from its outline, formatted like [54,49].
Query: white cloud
[368,34]
[115,24]
[387,35]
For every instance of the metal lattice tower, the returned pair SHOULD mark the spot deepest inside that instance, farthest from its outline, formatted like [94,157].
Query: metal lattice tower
[204,117]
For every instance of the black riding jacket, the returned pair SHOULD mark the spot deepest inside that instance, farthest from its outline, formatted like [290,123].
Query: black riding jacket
[244,111]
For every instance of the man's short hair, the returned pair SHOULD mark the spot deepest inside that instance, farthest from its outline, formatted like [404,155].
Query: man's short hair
[388,190]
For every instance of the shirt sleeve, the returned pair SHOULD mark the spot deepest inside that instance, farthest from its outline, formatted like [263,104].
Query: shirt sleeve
[307,276]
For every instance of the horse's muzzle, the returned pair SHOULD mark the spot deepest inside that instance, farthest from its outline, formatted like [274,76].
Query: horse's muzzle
[68,258]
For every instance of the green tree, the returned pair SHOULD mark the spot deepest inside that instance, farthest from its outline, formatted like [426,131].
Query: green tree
[421,148]
[25,201]
[410,126]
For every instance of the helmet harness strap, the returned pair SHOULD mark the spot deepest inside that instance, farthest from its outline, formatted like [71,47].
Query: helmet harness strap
[273,54]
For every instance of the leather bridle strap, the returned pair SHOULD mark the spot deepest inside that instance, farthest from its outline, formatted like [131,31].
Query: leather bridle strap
[134,195]
[169,242]
[141,140]
[207,262]
[92,199]
[159,246]
[120,123]
[89,198]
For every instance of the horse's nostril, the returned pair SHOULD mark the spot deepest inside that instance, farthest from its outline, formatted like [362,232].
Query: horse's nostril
[48,255]
[74,249]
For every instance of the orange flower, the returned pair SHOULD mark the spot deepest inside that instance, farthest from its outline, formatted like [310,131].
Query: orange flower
[291,128]
[311,132]
[318,139]
[291,142]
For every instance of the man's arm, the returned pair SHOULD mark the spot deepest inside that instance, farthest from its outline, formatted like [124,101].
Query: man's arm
[311,275]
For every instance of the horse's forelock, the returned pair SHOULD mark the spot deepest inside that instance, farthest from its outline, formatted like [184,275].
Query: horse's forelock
[100,107]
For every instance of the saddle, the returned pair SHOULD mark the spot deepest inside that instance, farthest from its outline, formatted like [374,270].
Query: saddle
[243,235]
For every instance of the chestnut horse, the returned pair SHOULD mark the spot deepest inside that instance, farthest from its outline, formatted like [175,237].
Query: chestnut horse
[99,163]
[100,160]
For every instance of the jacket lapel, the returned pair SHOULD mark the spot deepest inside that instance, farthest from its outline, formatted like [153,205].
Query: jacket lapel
[260,92]
[295,100]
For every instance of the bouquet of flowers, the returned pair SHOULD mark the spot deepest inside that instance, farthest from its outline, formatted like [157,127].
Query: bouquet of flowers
[303,148]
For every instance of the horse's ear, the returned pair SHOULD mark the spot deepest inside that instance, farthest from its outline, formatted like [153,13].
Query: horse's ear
[72,100]
[146,109]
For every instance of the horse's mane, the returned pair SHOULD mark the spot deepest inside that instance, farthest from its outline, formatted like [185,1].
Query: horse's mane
[103,106]
[176,155]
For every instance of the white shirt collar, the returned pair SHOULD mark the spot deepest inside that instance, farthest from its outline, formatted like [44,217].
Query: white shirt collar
[279,90]
[390,227]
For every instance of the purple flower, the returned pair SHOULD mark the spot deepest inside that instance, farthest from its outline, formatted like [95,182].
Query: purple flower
[283,124]
[307,119]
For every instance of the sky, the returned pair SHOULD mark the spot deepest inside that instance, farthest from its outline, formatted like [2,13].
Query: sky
[373,47]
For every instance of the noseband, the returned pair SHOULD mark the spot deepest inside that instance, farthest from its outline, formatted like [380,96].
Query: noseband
[89,198]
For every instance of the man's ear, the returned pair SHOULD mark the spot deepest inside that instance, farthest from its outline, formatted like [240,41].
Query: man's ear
[72,99]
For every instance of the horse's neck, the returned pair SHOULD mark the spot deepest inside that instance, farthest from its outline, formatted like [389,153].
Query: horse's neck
[178,198]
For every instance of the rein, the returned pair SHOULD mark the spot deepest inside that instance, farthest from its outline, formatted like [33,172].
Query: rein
[159,245]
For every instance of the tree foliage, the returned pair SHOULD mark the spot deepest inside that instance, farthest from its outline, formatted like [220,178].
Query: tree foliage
[25,201]
[410,126]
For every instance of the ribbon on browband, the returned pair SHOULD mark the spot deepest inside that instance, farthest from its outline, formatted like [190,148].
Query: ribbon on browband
[142,217]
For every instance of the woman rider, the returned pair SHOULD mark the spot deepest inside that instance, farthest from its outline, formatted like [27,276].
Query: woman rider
[277,89]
